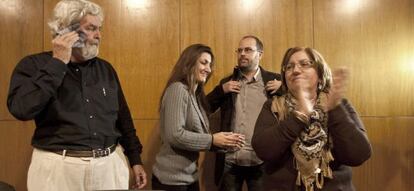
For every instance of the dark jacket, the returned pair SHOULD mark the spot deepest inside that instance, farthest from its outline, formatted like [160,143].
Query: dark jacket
[218,99]
[272,142]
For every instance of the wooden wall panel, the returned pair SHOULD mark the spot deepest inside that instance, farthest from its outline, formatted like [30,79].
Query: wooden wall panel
[391,167]
[143,39]
[221,24]
[374,40]
[15,138]
[110,48]
[149,48]
[48,6]
[20,35]
[149,135]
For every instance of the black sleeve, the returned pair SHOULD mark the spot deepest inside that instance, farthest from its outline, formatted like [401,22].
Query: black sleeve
[216,97]
[350,141]
[279,91]
[34,81]
[124,123]
[268,76]
[272,138]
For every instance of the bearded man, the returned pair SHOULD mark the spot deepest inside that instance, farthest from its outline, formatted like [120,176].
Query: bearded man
[83,123]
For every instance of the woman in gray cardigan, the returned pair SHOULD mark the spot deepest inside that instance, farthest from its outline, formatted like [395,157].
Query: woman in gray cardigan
[311,136]
[184,124]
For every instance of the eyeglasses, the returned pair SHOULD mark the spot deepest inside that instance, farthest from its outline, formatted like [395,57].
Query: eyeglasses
[247,50]
[303,64]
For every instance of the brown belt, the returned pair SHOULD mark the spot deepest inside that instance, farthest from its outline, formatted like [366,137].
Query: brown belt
[96,153]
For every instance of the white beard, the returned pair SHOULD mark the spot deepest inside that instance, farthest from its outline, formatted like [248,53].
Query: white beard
[89,51]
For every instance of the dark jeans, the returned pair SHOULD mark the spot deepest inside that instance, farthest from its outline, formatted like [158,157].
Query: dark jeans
[234,176]
[157,185]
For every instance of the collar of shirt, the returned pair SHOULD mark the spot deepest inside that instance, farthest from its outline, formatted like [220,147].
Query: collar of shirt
[256,78]
[82,64]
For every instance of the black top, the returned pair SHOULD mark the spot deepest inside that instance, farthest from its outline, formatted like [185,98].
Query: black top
[75,106]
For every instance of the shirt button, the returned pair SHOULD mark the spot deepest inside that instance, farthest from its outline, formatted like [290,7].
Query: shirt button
[91,116]
[87,100]
[94,133]
[77,69]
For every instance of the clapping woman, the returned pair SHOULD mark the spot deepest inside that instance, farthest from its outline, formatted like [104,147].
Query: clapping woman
[311,136]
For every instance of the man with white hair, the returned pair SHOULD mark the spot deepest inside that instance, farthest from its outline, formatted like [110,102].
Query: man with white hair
[81,115]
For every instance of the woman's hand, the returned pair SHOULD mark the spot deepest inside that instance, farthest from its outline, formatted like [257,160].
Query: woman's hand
[305,101]
[305,96]
[228,140]
[338,89]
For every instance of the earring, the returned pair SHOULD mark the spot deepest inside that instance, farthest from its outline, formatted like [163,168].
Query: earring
[320,86]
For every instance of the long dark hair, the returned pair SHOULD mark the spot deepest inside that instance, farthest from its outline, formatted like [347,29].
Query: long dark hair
[184,70]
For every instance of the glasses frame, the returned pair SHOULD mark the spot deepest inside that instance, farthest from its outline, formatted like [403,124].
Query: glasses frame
[247,50]
[303,64]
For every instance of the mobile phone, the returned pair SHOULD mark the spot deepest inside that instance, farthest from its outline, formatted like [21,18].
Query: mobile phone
[82,36]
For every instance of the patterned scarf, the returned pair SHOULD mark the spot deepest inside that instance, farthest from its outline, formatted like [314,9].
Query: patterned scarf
[311,148]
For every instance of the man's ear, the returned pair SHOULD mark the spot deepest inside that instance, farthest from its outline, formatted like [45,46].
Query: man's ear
[261,54]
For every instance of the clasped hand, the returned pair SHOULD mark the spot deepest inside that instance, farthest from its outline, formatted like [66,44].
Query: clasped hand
[229,140]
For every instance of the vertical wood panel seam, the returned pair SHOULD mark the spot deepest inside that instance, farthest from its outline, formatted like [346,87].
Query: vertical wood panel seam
[145,118]
[313,24]
[43,28]
[180,41]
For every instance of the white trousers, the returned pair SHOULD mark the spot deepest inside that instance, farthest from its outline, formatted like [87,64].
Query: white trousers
[49,171]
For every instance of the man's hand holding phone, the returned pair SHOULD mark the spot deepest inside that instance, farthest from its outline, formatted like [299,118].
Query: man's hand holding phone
[62,46]
[66,39]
